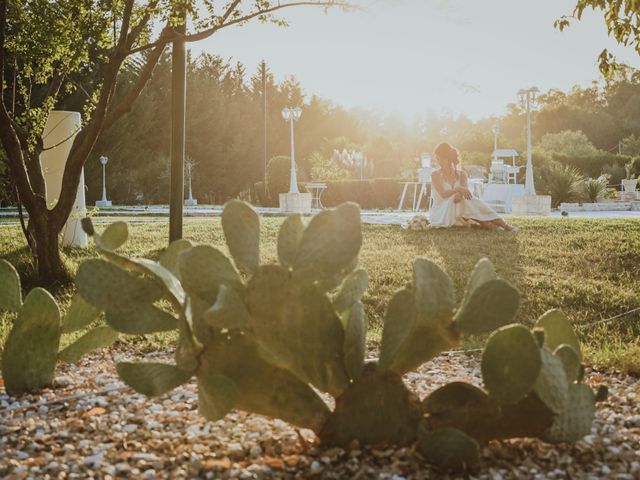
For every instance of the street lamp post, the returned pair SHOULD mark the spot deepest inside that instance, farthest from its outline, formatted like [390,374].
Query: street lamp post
[529,203]
[292,115]
[190,202]
[104,202]
[527,97]
[496,131]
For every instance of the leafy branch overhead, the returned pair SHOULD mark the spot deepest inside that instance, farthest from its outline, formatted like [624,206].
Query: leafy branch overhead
[622,20]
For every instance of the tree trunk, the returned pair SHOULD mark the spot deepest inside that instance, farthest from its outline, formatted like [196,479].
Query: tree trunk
[51,269]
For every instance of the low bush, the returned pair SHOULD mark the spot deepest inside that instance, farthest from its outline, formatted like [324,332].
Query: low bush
[378,193]
[562,182]
[593,165]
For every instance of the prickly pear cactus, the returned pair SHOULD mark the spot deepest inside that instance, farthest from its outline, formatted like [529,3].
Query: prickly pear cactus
[31,351]
[268,338]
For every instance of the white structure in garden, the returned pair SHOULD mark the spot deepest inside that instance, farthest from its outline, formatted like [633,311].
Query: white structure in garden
[294,201]
[104,202]
[58,135]
[190,202]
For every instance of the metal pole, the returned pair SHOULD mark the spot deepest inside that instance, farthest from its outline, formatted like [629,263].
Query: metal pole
[293,186]
[178,119]
[529,183]
[263,69]
[104,182]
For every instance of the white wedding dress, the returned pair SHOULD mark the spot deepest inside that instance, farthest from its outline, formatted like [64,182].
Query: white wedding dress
[444,212]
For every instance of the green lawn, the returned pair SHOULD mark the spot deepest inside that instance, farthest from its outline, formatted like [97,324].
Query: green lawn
[588,268]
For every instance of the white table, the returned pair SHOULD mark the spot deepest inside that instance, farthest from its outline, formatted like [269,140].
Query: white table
[316,189]
[419,192]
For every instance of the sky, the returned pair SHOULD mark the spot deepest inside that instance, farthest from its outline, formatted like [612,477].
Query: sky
[417,56]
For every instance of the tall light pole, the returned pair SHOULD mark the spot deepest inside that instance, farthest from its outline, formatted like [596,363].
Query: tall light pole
[496,131]
[104,202]
[527,97]
[292,115]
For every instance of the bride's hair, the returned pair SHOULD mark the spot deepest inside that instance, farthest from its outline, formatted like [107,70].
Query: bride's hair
[446,153]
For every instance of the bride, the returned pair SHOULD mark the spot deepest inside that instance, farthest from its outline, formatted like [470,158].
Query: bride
[452,203]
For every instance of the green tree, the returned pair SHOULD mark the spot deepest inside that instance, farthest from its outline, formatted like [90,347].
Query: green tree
[53,46]
[568,142]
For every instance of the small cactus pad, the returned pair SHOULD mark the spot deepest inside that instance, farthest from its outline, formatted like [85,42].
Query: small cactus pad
[558,330]
[377,408]
[95,338]
[434,293]
[10,293]
[409,339]
[448,448]
[104,285]
[355,341]
[113,237]
[529,417]
[241,226]
[351,290]
[313,347]
[216,396]
[329,246]
[510,364]
[31,349]
[203,269]
[575,421]
[483,272]
[552,386]
[169,257]
[570,360]
[152,379]
[140,318]
[289,239]
[228,312]
[262,387]
[80,314]
[489,306]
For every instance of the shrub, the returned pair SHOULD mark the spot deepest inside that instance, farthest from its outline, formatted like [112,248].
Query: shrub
[571,143]
[632,168]
[615,172]
[563,183]
[378,193]
[258,342]
[594,189]
[278,176]
[593,165]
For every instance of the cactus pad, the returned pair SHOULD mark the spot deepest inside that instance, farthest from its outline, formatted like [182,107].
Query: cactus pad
[169,257]
[377,408]
[313,347]
[262,387]
[31,348]
[203,269]
[558,330]
[229,311]
[140,318]
[510,364]
[113,237]
[10,293]
[355,341]
[289,239]
[574,422]
[552,386]
[104,285]
[570,360]
[351,290]
[98,337]
[152,379]
[241,226]
[80,314]
[489,306]
[329,246]
[216,396]
[448,448]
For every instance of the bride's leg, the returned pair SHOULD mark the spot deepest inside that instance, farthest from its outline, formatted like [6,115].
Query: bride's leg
[501,223]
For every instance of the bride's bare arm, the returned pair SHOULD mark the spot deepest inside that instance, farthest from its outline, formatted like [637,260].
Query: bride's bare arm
[464,186]
[438,183]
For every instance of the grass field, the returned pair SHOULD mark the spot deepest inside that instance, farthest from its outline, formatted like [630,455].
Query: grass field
[588,268]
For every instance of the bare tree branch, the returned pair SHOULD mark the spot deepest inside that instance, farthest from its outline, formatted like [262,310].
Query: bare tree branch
[258,13]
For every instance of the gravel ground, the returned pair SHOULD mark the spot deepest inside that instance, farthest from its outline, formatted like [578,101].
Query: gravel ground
[90,427]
